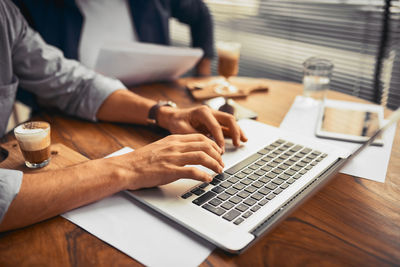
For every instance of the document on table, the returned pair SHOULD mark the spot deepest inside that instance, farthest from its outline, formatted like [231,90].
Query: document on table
[139,232]
[136,63]
[371,163]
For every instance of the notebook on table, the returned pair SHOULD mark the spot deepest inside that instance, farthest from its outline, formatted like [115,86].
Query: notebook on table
[255,192]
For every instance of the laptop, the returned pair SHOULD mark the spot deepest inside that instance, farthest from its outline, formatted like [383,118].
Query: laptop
[265,180]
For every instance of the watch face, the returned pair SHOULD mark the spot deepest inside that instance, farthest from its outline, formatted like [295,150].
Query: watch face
[167,103]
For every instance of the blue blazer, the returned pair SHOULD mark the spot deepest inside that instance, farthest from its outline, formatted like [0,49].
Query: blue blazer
[60,22]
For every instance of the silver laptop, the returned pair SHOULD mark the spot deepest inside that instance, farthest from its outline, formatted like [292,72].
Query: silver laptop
[256,191]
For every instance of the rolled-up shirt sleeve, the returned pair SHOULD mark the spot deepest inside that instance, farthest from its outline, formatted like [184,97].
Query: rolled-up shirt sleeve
[55,80]
[10,183]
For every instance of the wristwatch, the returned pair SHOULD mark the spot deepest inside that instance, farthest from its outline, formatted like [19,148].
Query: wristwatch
[152,117]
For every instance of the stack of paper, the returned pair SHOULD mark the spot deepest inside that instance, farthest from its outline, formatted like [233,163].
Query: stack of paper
[136,63]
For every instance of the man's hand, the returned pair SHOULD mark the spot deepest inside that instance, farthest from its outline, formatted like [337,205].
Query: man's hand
[165,161]
[203,120]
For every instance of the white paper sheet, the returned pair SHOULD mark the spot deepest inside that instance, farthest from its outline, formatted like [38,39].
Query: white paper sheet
[371,163]
[136,230]
[136,63]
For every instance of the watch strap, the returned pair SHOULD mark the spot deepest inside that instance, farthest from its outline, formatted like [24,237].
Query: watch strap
[152,116]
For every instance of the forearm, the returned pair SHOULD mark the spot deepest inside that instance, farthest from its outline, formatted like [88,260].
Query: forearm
[47,194]
[125,106]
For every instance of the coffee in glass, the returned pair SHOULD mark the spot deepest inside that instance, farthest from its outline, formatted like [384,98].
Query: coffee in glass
[34,141]
[228,65]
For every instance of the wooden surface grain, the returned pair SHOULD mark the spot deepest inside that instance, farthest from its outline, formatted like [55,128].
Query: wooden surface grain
[350,222]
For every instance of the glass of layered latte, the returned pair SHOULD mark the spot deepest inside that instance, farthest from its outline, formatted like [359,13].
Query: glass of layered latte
[34,141]
[228,65]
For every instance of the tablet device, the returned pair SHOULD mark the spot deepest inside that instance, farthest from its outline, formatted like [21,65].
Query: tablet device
[349,121]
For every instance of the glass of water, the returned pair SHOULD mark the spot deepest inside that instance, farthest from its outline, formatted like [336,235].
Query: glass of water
[317,76]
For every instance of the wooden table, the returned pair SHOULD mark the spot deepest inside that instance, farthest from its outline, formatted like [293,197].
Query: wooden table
[351,221]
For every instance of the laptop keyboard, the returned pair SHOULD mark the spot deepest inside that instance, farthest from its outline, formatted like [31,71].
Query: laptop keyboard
[242,190]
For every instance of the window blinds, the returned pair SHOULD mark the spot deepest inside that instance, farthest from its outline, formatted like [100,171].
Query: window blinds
[277,36]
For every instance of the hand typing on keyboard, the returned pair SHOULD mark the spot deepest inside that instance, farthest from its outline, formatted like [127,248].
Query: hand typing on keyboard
[164,161]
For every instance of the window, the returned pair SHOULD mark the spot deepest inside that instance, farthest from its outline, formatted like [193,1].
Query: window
[277,36]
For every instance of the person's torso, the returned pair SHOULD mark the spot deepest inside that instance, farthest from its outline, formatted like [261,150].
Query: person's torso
[104,22]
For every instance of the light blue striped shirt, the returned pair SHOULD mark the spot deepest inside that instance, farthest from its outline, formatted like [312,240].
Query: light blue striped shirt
[27,61]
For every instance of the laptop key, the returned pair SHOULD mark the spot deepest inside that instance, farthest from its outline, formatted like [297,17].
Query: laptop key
[258,184]
[227,205]
[270,196]
[186,195]
[264,180]
[239,186]
[255,208]
[231,191]
[297,176]
[247,214]
[235,199]
[215,202]
[197,191]
[266,168]
[278,191]
[254,167]
[278,181]
[204,198]
[232,214]
[233,180]
[271,186]
[243,194]
[247,171]
[223,196]
[238,221]
[257,196]
[253,176]
[284,186]
[242,207]
[277,171]
[263,202]
[203,185]
[264,191]
[284,176]
[216,210]
[260,162]
[271,175]
[218,189]
[246,181]
[290,181]
[243,164]
[296,148]
[263,151]
[240,175]
[226,184]
[250,189]
[222,176]
[250,202]
[260,172]
[306,150]
[215,181]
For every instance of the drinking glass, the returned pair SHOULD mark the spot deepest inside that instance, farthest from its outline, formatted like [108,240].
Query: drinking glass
[228,65]
[317,76]
[34,142]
